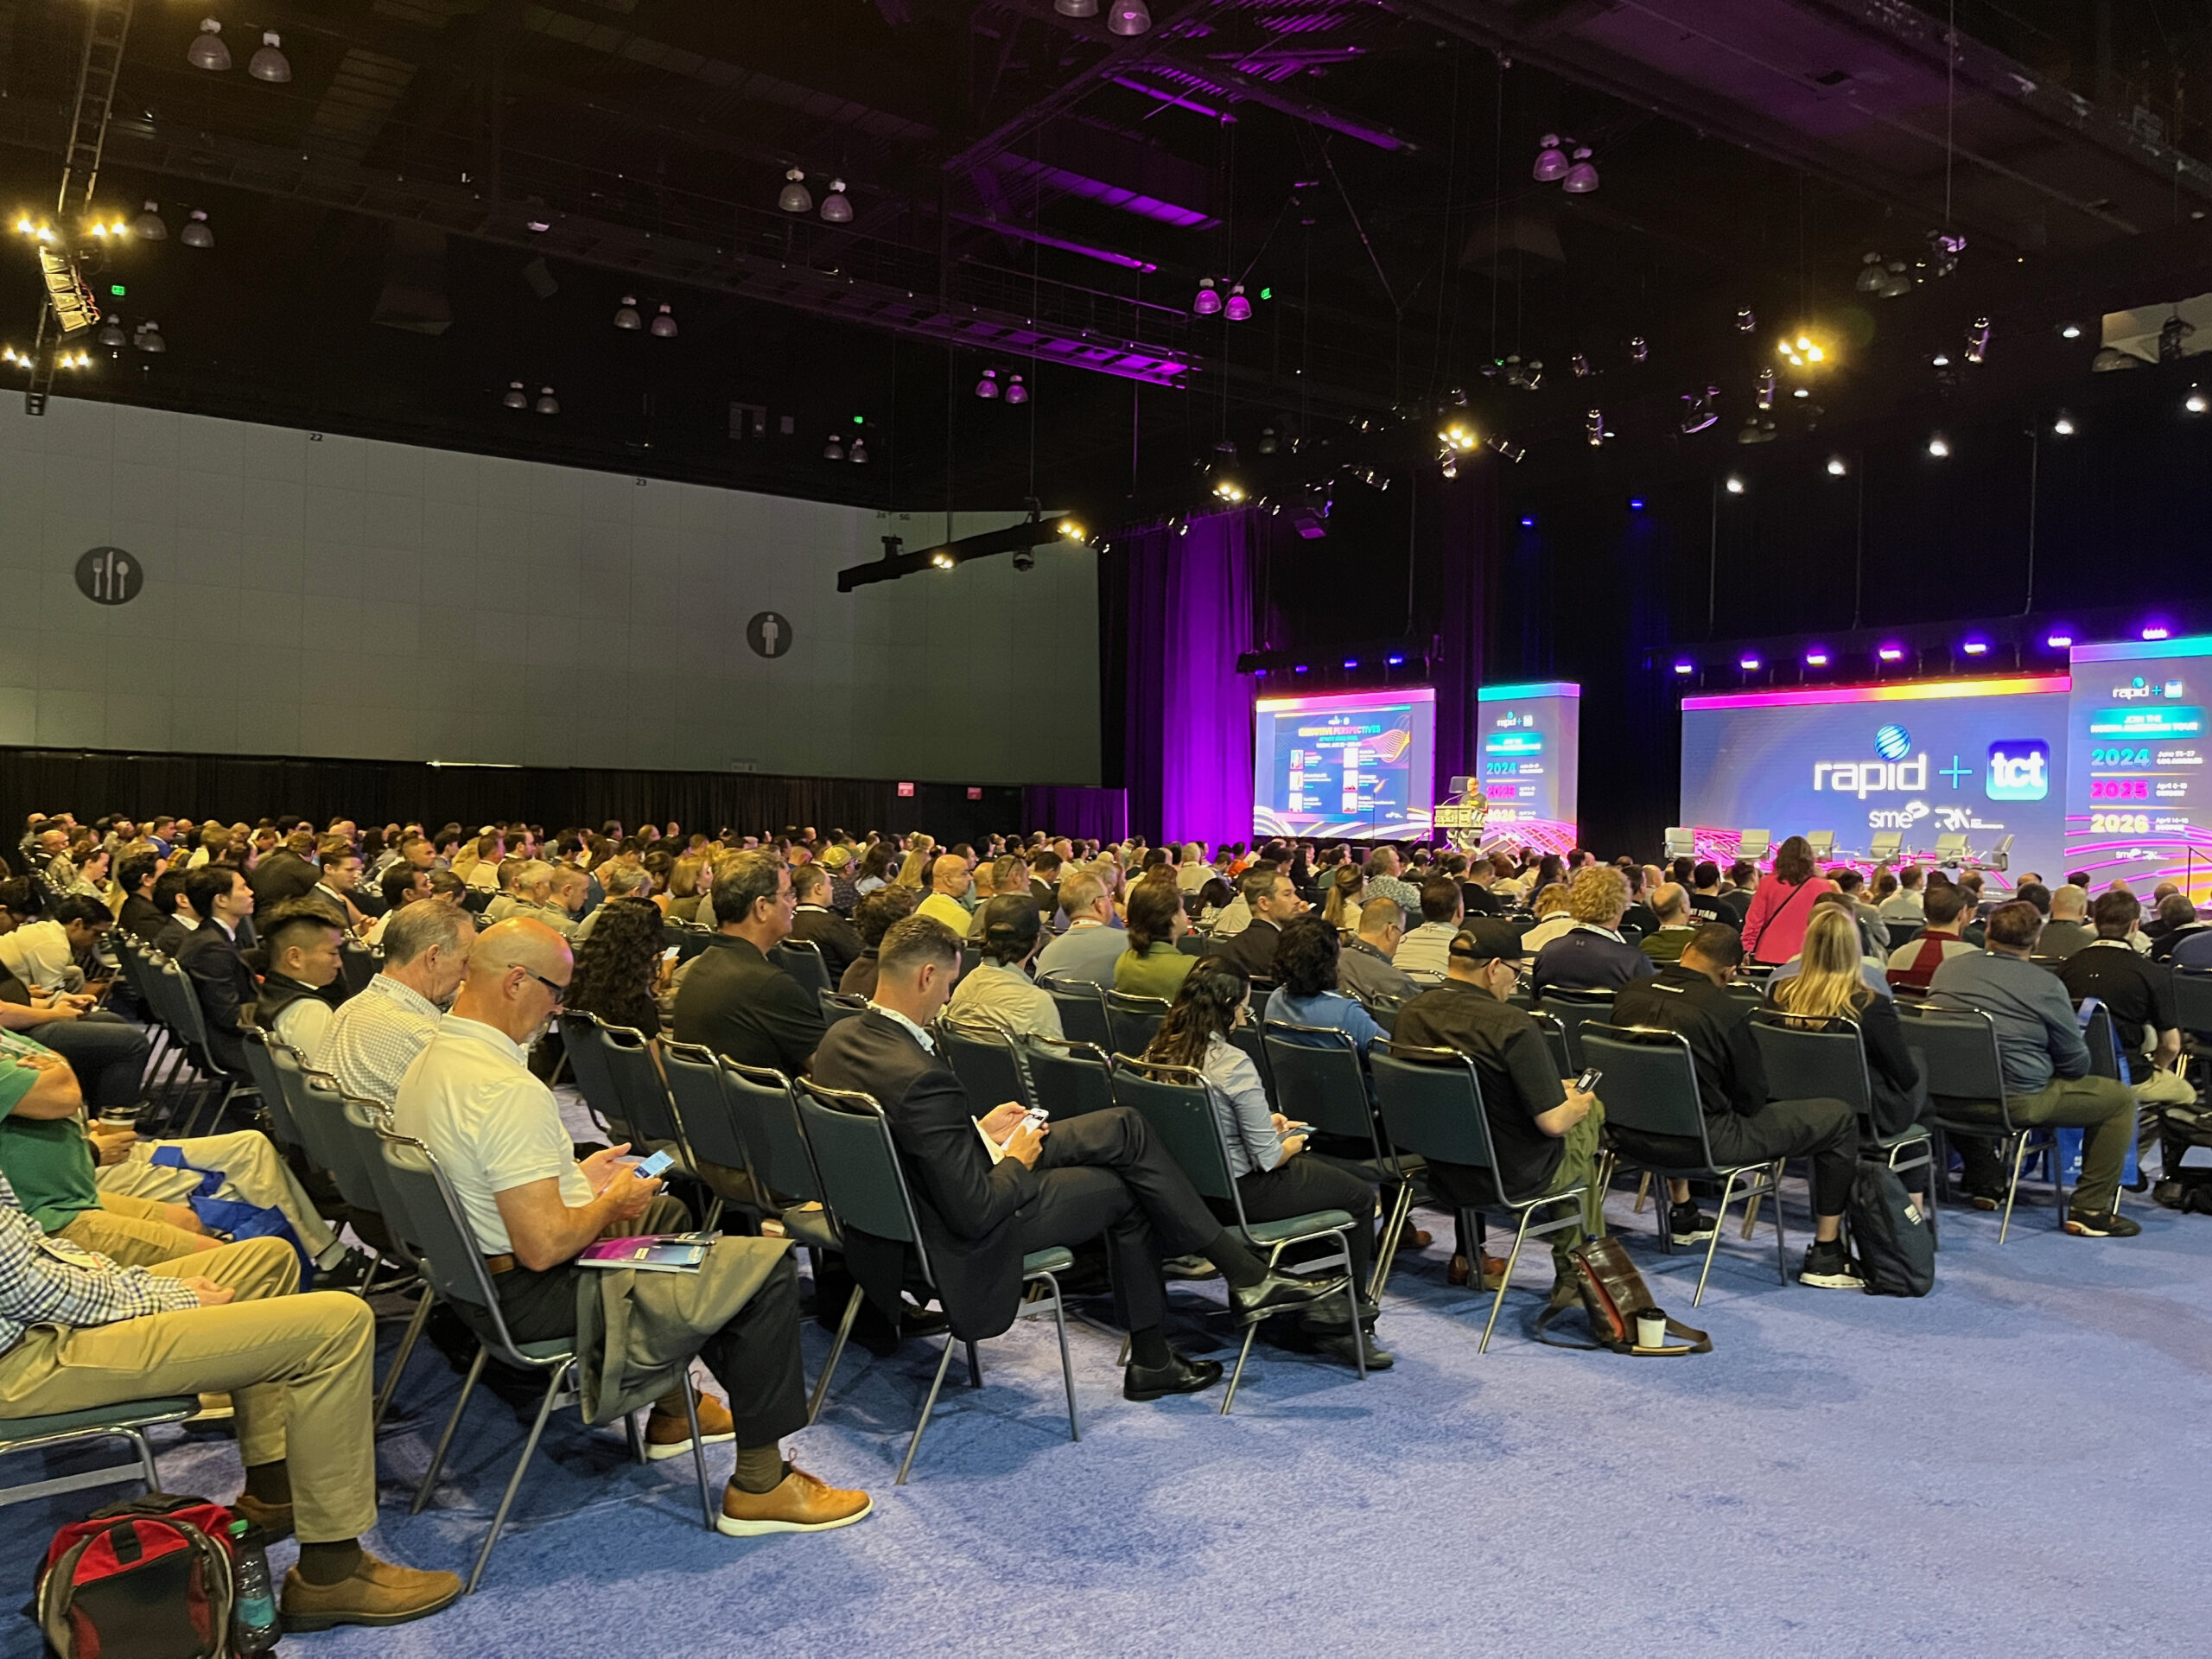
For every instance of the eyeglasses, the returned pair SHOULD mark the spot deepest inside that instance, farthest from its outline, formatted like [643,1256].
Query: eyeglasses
[560,991]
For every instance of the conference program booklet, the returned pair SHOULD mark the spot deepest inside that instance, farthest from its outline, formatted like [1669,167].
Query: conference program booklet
[652,1252]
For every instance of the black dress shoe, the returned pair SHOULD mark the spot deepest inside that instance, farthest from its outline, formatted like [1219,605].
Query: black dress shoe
[873,1332]
[1278,1293]
[1178,1375]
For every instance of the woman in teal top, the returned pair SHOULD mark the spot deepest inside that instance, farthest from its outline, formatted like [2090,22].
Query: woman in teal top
[1152,966]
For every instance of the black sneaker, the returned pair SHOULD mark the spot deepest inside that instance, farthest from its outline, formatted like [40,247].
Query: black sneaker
[2109,1225]
[1688,1225]
[1829,1267]
[1338,1346]
[350,1272]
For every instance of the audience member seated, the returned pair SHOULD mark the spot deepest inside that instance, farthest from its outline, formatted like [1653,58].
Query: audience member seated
[1872,965]
[1704,896]
[1913,964]
[1087,951]
[1424,955]
[2184,937]
[872,918]
[1638,921]
[300,939]
[1274,1182]
[1552,917]
[47,952]
[734,1000]
[1774,925]
[400,886]
[619,968]
[170,899]
[1385,881]
[1670,904]
[623,882]
[1055,1183]
[1152,965]
[377,1035]
[1270,901]
[1365,967]
[2137,993]
[339,873]
[496,1130]
[1307,959]
[1742,1124]
[814,921]
[1543,1129]
[1830,984]
[1480,894]
[1341,908]
[1905,903]
[2064,933]
[2047,1080]
[1591,955]
[945,902]
[136,877]
[288,872]
[997,990]
[210,959]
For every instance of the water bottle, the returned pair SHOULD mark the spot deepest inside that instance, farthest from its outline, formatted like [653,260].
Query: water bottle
[254,1626]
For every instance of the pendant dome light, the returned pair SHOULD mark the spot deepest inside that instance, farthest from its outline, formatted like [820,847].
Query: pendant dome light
[1581,178]
[664,325]
[626,314]
[837,209]
[1238,309]
[1076,7]
[269,64]
[1551,161]
[516,397]
[989,385]
[1015,392]
[547,402]
[196,233]
[147,226]
[1129,17]
[208,50]
[1209,299]
[795,197]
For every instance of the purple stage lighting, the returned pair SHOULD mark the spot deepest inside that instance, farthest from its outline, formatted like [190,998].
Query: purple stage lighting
[1300,668]
[1891,653]
[1396,661]
[1685,668]
[2156,631]
[1749,664]
[2059,641]
[1528,523]
[1636,504]
[1352,662]
[1817,657]
[1975,647]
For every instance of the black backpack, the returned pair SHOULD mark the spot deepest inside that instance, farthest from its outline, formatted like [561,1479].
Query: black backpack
[1889,1235]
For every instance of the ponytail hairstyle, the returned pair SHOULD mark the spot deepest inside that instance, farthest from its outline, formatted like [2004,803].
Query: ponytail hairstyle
[1205,1008]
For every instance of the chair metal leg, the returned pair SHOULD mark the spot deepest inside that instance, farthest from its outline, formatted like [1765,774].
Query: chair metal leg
[1781,1226]
[1067,1366]
[1352,1305]
[452,1422]
[1642,1192]
[943,1365]
[1504,1281]
[1401,1210]
[399,1360]
[2012,1188]
[137,1438]
[974,1368]
[514,1481]
[637,1442]
[1237,1375]
[698,1456]
[1720,1225]
[836,1353]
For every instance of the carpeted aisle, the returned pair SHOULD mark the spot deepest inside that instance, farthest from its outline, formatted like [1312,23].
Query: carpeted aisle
[2014,1465]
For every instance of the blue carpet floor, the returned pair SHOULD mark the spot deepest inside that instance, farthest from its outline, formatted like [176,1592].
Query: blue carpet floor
[2014,1465]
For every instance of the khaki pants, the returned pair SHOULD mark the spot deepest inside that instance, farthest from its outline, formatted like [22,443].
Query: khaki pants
[135,1233]
[251,1167]
[290,1363]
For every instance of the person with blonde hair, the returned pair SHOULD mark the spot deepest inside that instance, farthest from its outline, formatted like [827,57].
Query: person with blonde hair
[1553,917]
[1591,955]
[687,884]
[1829,986]
[1341,911]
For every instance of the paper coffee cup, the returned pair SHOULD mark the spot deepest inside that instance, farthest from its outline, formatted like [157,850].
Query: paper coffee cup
[1651,1328]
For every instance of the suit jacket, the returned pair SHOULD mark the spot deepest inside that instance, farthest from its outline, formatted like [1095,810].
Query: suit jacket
[283,874]
[968,1206]
[745,1007]
[1253,950]
[226,989]
[838,940]
[175,931]
[140,920]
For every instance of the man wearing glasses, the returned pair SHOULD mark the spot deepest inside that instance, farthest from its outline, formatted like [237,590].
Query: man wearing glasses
[533,1207]
[1543,1130]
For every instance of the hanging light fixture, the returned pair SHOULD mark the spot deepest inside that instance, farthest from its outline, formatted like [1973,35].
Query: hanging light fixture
[664,325]
[1978,341]
[1766,388]
[1238,309]
[147,337]
[547,402]
[795,197]
[1638,348]
[1893,282]
[833,450]
[1869,280]
[208,50]
[196,233]
[1076,7]
[1581,178]
[1593,427]
[1581,365]
[112,335]
[1698,412]
[1015,392]
[835,208]
[1551,161]
[626,314]
[516,397]
[1209,298]
[859,455]
[1939,446]
[1129,17]
[147,226]
[989,385]
[269,64]
[1746,322]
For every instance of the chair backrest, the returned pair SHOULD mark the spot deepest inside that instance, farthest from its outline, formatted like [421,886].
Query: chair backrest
[689,938]
[1173,1100]
[1083,1010]
[802,960]
[1822,842]
[1823,1061]
[1133,1021]
[1950,847]
[837,1006]
[1958,1050]
[768,1117]
[985,1060]
[183,1014]
[698,1087]
[1903,933]
[2103,1040]
[131,955]
[1431,1107]
[1752,845]
[1681,842]
[1320,1079]
[261,1066]
[310,1112]
[357,964]
[864,1183]
[1249,1038]
[1067,1079]
[360,1121]
[443,1243]
[1650,1084]
[2193,1000]
[594,1081]
[1554,1039]
[1886,843]
[322,1100]
[1574,1009]
[638,1084]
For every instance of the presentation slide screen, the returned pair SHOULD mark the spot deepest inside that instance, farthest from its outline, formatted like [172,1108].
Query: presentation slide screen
[2137,804]
[1530,746]
[1358,766]
[1973,760]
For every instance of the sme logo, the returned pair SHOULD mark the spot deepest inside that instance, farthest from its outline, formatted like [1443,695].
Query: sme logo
[1864,778]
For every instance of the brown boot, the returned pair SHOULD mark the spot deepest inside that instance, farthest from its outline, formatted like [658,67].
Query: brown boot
[800,1502]
[378,1592]
[668,1435]
[275,1520]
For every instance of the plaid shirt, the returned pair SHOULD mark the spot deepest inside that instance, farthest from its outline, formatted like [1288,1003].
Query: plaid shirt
[51,1281]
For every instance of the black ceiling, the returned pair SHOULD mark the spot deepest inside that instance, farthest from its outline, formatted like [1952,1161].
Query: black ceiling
[450,195]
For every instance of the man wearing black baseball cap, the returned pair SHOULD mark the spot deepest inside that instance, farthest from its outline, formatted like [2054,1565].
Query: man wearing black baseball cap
[1543,1130]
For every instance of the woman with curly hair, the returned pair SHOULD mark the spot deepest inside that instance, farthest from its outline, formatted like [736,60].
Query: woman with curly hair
[618,965]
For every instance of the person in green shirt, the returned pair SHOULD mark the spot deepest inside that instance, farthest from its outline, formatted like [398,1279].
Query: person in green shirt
[1153,966]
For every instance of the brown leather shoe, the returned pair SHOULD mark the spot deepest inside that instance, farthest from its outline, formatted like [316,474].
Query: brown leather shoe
[1493,1272]
[275,1520]
[800,1502]
[379,1593]
[1410,1237]
[670,1436]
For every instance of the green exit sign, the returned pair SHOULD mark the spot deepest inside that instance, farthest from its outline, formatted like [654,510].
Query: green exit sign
[117,290]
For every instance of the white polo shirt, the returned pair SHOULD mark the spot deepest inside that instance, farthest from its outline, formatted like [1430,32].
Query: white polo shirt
[470,1098]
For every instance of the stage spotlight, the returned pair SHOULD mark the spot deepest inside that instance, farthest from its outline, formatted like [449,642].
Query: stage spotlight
[1300,668]
[1072,531]
[2194,402]
[1891,653]
[1939,361]
[1746,322]
[1352,662]
[2156,631]
[1636,504]
[1527,522]
[2070,330]
[943,561]
[1593,427]
[1685,668]
[2059,641]
[1749,664]
[1939,446]
[1816,658]
[1978,341]
[1975,647]
[795,197]
[1450,465]
[1735,484]
[2064,426]
[1836,469]
[1394,662]
[1229,490]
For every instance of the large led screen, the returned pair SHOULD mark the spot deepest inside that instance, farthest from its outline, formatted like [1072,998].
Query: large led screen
[1356,765]
[2137,804]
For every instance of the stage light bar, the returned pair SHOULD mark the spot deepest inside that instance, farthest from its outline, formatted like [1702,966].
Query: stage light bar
[2059,641]
[1750,664]
[1817,658]
[1636,504]
[1528,523]
[1352,662]
[1394,662]
[2156,631]
[1891,653]
[1897,691]
[1975,647]
[1014,538]
[1685,668]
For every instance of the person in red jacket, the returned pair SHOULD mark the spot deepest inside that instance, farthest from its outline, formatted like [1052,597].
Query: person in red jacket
[1774,927]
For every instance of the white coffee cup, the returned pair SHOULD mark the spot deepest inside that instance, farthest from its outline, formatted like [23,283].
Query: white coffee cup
[1651,1328]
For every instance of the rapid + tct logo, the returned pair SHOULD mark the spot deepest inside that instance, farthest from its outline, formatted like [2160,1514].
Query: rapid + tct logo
[2019,770]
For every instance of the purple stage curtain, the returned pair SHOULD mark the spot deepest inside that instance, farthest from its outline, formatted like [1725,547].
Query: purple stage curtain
[1100,815]
[1188,725]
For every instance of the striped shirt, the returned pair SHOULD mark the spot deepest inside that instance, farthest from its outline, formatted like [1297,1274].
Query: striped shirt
[51,1281]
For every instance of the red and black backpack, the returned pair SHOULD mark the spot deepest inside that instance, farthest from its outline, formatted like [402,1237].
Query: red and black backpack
[149,1579]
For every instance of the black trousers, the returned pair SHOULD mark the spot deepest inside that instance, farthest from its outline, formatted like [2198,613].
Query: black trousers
[1103,1173]
[1299,1185]
[755,1357]
[107,1053]
[1827,1131]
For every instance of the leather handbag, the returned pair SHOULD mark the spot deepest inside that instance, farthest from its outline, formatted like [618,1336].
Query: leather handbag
[1612,1292]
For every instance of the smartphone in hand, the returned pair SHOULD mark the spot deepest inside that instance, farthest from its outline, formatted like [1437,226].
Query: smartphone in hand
[653,1166]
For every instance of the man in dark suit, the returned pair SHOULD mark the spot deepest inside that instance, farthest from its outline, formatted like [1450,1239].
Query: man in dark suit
[1274,900]
[735,999]
[209,956]
[288,872]
[138,917]
[815,921]
[1063,1183]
